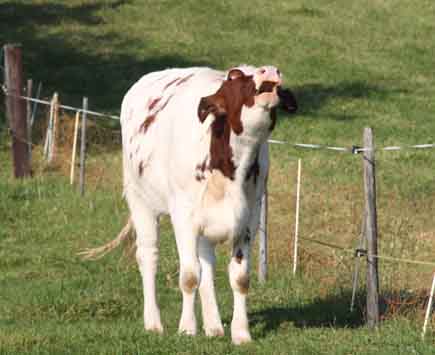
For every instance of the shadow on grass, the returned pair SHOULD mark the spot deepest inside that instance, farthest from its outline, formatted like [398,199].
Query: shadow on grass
[313,97]
[64,48]
[306,11]
[332,311]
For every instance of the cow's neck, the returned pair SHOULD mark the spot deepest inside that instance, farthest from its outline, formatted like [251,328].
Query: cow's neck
[245,152]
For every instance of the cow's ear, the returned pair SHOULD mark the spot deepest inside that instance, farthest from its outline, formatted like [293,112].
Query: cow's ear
[287,100]
[214,104]
[235,74]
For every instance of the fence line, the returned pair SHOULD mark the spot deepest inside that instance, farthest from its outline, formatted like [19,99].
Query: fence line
[353,150]
[65,107]
[361,252]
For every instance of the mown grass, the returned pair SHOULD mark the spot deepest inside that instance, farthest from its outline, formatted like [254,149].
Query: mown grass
[351,65]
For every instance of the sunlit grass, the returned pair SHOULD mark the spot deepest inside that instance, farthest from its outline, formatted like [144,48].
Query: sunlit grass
[351,65]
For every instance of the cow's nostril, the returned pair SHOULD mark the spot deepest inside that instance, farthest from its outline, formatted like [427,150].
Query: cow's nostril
[262,71]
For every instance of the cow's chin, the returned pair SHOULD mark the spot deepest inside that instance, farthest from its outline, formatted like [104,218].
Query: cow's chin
[267,100]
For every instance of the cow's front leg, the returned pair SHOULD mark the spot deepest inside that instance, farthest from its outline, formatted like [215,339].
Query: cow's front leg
[239,280]
[190,271]
[210,313]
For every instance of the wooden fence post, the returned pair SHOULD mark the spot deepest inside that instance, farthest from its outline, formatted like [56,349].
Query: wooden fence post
[358,253]
[371,229]
[16,109]
[83,147]
[262,260]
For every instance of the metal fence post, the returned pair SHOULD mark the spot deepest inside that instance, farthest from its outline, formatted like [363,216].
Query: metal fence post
[83,147]
[262,260]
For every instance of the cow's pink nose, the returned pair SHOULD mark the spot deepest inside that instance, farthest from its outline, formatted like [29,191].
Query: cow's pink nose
[269,73]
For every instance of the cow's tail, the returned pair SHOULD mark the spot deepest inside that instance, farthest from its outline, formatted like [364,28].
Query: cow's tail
[126,235]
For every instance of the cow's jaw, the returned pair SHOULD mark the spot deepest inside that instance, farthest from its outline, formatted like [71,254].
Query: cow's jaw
[267,80]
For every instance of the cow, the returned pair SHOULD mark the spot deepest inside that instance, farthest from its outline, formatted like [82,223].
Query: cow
[194,144]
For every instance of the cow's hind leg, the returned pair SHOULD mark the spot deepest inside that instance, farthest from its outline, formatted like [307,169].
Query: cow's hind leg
[210,313]
[239,280]
[147,235]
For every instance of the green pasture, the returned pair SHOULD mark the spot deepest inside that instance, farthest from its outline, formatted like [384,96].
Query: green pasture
[351,64]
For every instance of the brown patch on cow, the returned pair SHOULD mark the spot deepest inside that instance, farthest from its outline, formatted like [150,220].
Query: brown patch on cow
[171,83]
[272,118]
[221,154]
[154,103]
[239,256]
[226,105]
[164,105]
[189,282]
[243,283]
[234,74]
[200,169]
[254,170]
[183,80]
[266,86]
[228,101]
[143,128]
[141,168]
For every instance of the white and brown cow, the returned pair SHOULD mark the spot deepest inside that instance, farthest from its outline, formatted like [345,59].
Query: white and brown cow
[195,147]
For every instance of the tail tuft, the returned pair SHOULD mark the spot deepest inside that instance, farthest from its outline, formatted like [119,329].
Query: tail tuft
[99,252]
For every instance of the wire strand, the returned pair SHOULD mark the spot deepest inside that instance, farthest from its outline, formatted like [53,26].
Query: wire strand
[353,150]
[378,256]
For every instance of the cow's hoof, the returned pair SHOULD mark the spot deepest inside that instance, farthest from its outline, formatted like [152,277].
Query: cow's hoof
[187,331]
[214,332]
[152,323]
[187,327]
[241,337]
[157,328]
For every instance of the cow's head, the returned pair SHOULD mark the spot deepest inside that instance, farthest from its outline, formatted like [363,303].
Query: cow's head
[248,97]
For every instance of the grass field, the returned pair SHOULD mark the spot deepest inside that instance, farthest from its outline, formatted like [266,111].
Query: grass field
[351,64]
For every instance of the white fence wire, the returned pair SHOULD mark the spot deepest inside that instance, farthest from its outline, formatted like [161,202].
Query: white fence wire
[353,150]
